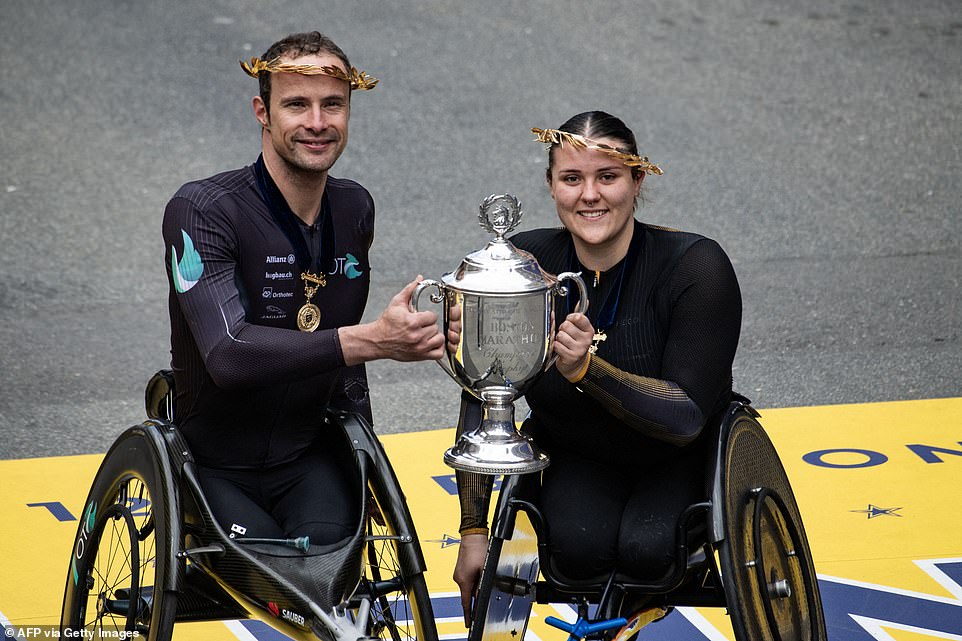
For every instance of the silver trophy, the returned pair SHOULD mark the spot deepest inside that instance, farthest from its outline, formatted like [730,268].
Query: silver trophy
[501,304]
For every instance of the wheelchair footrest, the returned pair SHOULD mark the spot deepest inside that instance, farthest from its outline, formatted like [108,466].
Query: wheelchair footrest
[583,627]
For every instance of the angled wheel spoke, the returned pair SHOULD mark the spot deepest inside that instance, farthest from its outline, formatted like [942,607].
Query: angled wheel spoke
[392,614]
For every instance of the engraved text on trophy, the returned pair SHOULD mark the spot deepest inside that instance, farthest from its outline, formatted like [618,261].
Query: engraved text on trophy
[510,340]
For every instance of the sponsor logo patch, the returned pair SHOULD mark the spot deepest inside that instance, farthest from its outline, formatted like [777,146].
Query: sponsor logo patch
[188,269]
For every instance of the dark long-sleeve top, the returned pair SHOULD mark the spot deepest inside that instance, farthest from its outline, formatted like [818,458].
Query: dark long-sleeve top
[663,371]
[251,388]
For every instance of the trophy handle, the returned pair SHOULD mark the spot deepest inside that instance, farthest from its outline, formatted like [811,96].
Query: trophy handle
[424,284]
[444,361]
[582,290]
[582,306]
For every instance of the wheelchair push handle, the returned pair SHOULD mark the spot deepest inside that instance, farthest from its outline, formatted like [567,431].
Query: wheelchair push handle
[583,627]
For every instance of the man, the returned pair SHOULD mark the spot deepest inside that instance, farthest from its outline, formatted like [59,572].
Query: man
[269,275]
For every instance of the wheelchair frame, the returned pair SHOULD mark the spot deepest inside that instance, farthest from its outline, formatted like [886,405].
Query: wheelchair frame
[147,521]
[751,556]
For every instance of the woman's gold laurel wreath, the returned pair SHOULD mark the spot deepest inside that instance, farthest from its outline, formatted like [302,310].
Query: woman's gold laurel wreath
[357,79]
[556,137]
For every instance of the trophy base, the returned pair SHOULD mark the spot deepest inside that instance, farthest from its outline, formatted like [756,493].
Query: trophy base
[517,455]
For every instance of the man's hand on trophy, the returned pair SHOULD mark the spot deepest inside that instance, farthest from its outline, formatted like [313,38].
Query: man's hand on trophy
[571,345]
[400,334]
[410,335]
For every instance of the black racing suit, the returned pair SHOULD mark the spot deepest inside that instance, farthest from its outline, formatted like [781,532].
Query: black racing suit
[252,389]
[626,442]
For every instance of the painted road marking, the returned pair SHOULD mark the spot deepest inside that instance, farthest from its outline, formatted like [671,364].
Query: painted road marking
[878,485]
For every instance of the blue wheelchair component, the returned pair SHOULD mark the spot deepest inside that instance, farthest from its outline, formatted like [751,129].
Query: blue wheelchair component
[583,627]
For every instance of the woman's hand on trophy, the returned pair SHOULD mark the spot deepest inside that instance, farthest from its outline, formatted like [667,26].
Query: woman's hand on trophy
[400,334]
[571,345]
[467,570]
[454,327]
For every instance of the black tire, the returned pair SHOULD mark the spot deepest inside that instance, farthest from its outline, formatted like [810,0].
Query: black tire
[770,581]
[108,577]
[128,487]
[405,613]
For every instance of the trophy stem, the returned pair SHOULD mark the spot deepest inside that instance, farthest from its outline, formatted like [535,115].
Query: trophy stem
[496,446]
[498,414]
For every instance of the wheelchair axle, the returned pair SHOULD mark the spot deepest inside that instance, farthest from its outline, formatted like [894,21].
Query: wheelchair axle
[376,589]
[121,605]
[779,589]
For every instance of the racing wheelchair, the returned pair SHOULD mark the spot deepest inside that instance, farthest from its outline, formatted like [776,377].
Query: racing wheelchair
[743,548]
[148,552]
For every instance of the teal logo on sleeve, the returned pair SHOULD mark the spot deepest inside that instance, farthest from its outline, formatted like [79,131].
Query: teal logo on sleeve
[350,267]
[187,271]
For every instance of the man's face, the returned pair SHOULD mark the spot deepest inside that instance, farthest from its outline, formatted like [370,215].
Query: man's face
[306,128]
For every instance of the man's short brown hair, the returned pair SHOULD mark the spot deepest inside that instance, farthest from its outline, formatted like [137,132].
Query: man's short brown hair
[295,46]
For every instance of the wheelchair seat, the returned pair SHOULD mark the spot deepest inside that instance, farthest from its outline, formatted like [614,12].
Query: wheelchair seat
[328,574]
[743,548]
[146,501]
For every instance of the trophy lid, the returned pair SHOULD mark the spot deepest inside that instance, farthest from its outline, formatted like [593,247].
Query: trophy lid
[500,267]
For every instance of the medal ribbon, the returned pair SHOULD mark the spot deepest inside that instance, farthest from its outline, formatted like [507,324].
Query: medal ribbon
[287,221]
[605,317]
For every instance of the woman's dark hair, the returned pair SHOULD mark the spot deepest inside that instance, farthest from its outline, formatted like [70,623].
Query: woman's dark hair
[596,125]
[295,46]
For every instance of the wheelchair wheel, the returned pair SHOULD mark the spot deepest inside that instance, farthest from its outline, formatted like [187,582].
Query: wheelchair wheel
[119,561]
[767,568]
[110,574]
[402,608]
[506,590]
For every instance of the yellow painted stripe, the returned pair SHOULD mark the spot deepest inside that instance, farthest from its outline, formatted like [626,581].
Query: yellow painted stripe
[878,485]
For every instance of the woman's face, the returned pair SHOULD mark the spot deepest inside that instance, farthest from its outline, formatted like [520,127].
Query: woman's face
[595,197]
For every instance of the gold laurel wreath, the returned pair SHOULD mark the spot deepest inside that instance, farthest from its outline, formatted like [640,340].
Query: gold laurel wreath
[357,79]
[556,137]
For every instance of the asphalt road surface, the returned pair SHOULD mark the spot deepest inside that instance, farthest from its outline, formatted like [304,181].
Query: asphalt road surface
[818,142]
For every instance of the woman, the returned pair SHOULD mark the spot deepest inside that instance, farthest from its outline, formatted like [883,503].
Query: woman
[637,378]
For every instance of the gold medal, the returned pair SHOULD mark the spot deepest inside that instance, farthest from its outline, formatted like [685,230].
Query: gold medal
[309,315]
